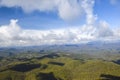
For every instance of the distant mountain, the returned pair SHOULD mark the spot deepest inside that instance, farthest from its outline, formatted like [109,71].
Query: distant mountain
[95,47]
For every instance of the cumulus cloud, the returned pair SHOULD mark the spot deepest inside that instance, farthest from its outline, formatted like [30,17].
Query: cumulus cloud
[66,9]
[104,30]
[88,8]
[14,35]
[70,9]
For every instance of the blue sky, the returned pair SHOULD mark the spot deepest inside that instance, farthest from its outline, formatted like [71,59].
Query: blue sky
[37,22]
[47,20]
[108,11]
[35,19]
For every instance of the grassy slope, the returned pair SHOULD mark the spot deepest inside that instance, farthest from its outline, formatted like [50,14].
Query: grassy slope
[72,70]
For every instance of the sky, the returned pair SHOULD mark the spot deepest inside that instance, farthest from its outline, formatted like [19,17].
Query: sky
[41,22]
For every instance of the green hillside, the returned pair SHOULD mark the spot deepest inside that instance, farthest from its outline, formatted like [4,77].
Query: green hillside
[60,68]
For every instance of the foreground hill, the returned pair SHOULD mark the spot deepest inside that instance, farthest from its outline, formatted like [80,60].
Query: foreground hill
[60,67]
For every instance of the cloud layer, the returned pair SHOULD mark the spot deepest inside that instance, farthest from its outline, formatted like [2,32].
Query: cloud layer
[13,35]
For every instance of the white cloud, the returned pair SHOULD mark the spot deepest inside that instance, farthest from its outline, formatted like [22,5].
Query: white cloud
[88,8]
[66,9]
[104,30]
[13,35]
[31,5]
[70,9]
